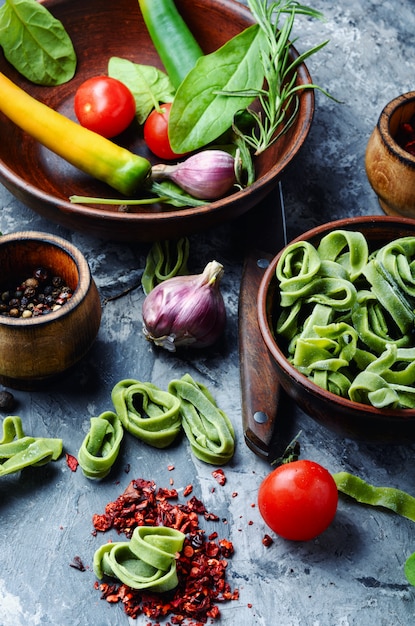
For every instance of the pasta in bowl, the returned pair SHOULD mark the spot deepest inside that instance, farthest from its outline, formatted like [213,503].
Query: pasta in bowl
[336,311]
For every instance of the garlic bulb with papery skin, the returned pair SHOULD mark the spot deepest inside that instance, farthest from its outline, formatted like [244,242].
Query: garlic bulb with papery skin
[206,175]
[186,310]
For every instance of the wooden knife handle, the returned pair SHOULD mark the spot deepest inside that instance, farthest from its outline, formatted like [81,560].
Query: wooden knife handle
[260,388]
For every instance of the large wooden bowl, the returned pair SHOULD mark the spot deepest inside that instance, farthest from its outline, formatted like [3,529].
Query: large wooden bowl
[37,349]
[347,418]
[100,29]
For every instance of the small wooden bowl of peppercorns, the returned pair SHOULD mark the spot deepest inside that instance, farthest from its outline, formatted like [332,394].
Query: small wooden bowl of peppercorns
[390,157]
[50,309]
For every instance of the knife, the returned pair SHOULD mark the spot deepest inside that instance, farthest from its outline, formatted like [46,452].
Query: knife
[260,388]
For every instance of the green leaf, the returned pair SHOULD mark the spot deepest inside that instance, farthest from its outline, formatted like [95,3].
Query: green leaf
[36,43]
[149,85]
[409,569]
[200,114]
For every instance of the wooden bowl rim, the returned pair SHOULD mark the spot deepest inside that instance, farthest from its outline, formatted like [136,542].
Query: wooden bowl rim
[264,295]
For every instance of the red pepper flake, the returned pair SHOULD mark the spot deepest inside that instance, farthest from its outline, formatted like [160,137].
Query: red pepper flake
[219,476]
[71,462]
[170,468]
[201,566]
[187,490]
[267,541]
[234,494]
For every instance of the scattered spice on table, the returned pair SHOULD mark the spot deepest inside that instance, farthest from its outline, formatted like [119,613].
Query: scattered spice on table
[78,564]
[71,462]
[201,566]
[219,476]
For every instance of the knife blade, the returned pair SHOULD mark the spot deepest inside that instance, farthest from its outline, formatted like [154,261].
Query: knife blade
[260,388]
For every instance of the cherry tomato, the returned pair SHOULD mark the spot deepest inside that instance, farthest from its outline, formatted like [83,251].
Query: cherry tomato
[104,105]
[156,133]
[298,500]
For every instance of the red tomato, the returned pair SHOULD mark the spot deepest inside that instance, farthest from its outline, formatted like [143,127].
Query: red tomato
[298,500]
[156,133]
[104,105]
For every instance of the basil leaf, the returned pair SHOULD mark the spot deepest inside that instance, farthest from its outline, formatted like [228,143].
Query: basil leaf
[410,569]
[200,114]
[36,43]
[148,84]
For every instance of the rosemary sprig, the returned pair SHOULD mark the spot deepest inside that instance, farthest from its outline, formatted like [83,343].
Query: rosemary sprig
[279,97]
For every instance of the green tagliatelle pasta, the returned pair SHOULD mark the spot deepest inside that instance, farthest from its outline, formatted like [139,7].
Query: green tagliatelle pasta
[18,451]
[208,429]
[347,316]
[147,561]
[101,446]
[166,259]
[147,412]
[395,500]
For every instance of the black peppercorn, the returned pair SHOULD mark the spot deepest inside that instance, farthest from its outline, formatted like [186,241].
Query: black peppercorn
[7,401]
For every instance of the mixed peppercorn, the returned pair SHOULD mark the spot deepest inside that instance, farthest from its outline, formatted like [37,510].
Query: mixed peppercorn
[35,295]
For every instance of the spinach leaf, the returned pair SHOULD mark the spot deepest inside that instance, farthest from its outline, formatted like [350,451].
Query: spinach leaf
[200,113]
[148,84]
[410,569]
[36,43]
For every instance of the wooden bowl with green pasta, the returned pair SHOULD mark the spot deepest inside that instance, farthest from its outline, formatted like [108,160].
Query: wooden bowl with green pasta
[336,311]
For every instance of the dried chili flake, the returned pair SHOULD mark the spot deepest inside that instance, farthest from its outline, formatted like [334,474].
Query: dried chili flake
[219,476]
[71,462]
[187,490]
[267,541]
[201,566]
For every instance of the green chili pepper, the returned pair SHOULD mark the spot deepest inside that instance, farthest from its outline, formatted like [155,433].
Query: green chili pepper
[101,446]
[165,260]
[147,412]
[208,428]
[147,561]
[171,37]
